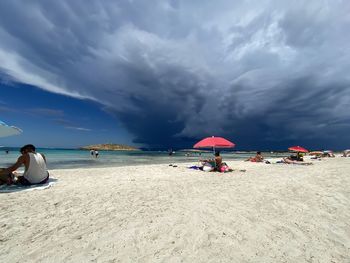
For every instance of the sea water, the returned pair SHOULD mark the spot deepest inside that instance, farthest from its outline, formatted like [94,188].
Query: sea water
[74,158]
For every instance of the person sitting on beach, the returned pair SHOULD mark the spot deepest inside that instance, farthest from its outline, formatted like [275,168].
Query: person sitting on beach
[298,157]
[257,158]
[215,164]
[218,161]
[35,168]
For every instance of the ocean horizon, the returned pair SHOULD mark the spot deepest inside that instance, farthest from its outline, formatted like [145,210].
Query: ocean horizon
[65,158]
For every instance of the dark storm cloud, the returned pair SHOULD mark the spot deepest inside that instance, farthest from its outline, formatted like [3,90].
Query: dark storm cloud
[264,73]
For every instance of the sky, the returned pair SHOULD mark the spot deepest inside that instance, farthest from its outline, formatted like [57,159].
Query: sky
[52,120]
[264,74]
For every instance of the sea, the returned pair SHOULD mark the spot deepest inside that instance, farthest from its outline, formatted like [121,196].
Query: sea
[74,158]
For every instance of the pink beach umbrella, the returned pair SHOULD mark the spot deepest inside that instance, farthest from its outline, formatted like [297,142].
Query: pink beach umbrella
[214,142]
[298,149]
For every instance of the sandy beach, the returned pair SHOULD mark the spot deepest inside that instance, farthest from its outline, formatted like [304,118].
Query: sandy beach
[158,213]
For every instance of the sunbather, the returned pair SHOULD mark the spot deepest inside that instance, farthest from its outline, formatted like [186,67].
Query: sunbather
[217,164]
[258,158]
[298,157]
[35,168]
[288,160]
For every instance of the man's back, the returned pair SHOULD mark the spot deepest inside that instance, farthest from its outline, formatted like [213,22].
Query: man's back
[36,170]
[218,161]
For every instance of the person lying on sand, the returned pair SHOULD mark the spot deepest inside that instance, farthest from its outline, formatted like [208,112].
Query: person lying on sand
[258,158]
[288,160]
[35,168]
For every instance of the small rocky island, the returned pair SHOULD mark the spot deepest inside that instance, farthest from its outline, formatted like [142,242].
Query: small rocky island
[109,147]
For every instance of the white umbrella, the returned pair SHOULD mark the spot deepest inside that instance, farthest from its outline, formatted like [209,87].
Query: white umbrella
[6,130]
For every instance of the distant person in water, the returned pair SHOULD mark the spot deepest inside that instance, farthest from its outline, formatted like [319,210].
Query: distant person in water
[92,152]
[96,154]
[35,168]
[257,158]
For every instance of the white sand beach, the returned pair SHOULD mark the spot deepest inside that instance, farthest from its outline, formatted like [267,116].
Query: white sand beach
[157,213]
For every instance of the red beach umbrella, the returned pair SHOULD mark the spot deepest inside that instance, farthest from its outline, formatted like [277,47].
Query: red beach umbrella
[298,149]
[316,153]
[214,142]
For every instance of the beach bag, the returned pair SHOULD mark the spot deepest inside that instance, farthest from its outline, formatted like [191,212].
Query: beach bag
[207,167]
[224,168]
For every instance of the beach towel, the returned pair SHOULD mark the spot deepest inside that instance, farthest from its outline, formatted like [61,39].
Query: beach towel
[195,167]
[21,188]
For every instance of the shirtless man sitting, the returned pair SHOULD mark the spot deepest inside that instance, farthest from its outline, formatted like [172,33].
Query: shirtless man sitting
[35,168]
[216,163]
[258,158]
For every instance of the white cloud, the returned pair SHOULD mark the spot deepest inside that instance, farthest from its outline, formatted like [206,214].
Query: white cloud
[77,128]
